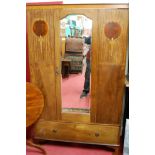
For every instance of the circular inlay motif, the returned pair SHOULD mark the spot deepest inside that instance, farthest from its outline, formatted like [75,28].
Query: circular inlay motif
[40,28]
[112,30]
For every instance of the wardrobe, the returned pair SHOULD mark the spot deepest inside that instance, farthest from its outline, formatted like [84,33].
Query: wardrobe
[109,46]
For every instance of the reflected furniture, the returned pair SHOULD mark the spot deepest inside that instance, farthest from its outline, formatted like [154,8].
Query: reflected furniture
[74,52]
[66,66]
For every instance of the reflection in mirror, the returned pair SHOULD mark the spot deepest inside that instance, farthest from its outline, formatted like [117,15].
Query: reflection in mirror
[76,32]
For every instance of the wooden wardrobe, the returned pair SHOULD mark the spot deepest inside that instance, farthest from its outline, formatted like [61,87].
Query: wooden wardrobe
[109,46]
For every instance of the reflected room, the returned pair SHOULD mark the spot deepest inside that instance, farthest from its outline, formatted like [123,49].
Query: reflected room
[76,38]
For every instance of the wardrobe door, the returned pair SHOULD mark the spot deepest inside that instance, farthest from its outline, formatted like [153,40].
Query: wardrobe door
[60,14]
[40,27]
[110,61]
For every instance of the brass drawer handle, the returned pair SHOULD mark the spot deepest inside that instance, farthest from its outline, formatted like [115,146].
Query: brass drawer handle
[97,134]
[54,131]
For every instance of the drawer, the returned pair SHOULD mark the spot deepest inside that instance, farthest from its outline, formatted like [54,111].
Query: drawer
[78,132]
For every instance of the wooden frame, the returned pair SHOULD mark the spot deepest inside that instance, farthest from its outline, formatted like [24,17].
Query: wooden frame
[101,126]
[91,14]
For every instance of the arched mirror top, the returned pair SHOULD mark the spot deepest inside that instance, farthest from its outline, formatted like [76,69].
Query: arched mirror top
[78,22]
[75,14]
[91,14]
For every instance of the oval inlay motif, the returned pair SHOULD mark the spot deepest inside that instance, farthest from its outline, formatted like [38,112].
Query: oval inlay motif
[112,30]
[40,28]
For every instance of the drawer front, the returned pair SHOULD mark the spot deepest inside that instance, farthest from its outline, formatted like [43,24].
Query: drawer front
[78,132]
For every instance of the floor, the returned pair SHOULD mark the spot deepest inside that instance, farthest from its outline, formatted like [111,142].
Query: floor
[71,90]
[68,149]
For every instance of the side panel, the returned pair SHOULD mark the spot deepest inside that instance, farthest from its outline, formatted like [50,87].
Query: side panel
[111,64]
[42,58]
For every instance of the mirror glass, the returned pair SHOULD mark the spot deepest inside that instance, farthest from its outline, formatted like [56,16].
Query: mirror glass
[75,33]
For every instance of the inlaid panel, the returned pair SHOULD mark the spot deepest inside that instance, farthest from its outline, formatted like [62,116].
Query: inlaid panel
[113,34]
[41,48]
[113,22]
[41,56]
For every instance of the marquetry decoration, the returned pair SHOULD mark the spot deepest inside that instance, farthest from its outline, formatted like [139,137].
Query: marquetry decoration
[40,28]
[112,30]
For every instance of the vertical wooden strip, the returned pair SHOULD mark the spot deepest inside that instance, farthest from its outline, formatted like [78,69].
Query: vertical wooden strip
[27,58]
[94,66]
[58,62]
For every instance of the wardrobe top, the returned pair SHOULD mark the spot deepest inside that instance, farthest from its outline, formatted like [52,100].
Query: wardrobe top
[73,6]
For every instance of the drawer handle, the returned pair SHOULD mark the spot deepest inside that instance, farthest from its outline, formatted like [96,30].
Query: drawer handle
[54,131]
[97,134]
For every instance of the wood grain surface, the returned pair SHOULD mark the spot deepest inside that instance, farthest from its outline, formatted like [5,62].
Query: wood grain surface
[87,6]
[78,132]
[76,117]
[110,62]
[34,103]
[42,61]
[107,74]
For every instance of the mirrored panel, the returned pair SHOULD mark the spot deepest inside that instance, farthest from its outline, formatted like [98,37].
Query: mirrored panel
[76,37]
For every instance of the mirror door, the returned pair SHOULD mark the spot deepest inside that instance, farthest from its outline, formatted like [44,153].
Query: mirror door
[75,36]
